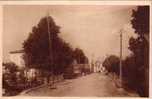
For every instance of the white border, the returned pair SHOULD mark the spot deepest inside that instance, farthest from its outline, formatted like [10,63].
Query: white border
[74,3]
[150,54]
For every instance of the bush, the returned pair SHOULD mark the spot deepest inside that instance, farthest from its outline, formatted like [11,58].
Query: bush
[14,80]
[111,64]
[134,75]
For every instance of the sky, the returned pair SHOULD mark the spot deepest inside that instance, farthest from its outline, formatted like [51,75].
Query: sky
[93,28]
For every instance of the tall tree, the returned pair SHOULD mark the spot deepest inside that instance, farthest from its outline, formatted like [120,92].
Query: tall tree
[140,20]
[44,53]
[140,47]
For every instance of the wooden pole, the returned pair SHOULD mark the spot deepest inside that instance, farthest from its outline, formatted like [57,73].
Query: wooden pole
[120,75]
[50,48]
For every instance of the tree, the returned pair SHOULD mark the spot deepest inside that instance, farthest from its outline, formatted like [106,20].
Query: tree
[140,20]
[47,54]
[9,75]
[111,63]
[11,67]
[130,72]
[80,56]
[140,47]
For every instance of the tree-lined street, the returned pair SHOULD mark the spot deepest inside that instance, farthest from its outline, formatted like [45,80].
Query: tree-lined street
[100,56]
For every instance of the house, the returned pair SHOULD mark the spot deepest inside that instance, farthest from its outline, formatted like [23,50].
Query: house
[96,66]
[17,58]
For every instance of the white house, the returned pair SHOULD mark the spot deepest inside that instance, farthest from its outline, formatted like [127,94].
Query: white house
[17,58]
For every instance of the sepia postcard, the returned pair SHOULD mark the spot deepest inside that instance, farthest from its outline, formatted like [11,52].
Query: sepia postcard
[75,49]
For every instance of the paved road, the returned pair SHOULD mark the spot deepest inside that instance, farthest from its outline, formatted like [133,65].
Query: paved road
[93,85]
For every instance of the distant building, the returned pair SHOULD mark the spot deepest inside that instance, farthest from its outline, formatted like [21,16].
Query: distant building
[79,68]
[97,66]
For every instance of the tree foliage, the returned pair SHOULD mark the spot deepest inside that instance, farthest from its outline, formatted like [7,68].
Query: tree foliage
[140,45]
[130,72]
[140,20]
[51,53]
[111,63]
[11,67]
[9,75]
[80,56]
[42,52]
[140,48]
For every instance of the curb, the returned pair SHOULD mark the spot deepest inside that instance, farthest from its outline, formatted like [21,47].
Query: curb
[28,90]
[34,88]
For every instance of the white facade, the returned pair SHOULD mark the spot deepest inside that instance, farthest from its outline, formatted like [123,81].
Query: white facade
[97,67]
[17,58]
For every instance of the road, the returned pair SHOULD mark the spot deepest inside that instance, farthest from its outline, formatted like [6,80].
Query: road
[93,85]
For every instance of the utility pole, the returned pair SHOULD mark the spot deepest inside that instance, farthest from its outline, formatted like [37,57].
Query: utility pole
[50,51]
[91,63]
[120,64]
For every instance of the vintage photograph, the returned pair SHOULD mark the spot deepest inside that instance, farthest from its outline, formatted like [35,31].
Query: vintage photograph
[75,50]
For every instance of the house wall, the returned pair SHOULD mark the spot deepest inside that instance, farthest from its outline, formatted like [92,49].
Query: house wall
[17,58]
